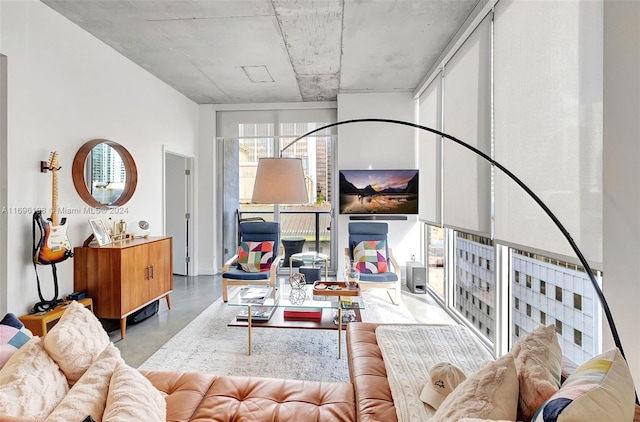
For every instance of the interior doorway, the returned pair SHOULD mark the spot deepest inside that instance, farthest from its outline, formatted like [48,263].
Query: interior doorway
[178,206]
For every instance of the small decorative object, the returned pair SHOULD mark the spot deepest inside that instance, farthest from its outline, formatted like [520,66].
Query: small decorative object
[351,275]
[297,296]
[297,281]
[100,231]
[119,231]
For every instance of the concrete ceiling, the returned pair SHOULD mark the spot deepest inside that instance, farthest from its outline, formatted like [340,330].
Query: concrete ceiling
[269,51]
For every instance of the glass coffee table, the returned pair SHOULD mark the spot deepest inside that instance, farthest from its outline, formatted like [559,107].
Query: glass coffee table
[286,307]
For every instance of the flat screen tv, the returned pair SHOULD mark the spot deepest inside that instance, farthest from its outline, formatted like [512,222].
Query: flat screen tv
[378,191]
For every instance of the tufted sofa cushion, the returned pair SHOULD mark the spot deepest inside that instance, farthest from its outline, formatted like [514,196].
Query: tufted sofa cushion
[200,397]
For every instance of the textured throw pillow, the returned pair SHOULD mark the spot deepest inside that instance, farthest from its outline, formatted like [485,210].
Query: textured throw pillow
[371,256]
[490,393]
[31,384]
[482,420]
[88,396]
[255,257]
[13,335]
[600,390]
[76,341]
[539,364]
[133,398]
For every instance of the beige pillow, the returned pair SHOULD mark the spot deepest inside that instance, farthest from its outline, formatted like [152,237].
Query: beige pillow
[31,384]
[490,393]
[599,390]
[75,341]
[88,396]
[539,364]
[481,420]
[133,398]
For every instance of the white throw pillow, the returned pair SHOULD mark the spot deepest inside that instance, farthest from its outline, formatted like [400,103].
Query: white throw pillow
[76,341]
[88,396]
[133,398]
[490,393]
[31,384]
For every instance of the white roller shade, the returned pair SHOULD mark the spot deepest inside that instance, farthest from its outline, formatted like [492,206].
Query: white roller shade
[467,116]
[429,153]
[548,123]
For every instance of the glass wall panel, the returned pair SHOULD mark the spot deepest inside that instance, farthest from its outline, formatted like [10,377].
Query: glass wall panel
[475,289]
[547,291]
[436,259]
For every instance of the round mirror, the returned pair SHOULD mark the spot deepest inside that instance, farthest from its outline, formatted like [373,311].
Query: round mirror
[104,174]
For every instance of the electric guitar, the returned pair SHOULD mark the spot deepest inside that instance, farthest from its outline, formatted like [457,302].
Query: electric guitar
[54,246]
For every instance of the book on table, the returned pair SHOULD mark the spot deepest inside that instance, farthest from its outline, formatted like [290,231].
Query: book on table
[349,303]
[258,313]
[302,313]
[255,294]
[348,316]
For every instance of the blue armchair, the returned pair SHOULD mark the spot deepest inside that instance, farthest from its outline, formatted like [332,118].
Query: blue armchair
[258,257]
[369,249]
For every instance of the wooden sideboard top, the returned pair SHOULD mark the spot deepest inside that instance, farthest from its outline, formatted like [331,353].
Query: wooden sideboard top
[127,243]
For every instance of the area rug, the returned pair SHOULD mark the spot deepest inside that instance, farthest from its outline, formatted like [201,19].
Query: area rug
[208,345]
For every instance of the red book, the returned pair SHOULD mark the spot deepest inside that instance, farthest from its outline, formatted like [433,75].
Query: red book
[303,313]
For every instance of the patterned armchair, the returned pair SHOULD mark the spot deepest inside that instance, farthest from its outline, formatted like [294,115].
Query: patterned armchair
[369,249]
[258,257]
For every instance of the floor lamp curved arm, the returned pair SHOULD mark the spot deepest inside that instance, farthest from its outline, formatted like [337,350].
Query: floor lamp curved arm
[559,225]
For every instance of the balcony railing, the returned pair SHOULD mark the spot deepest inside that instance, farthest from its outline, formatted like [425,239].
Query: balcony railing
[312,225]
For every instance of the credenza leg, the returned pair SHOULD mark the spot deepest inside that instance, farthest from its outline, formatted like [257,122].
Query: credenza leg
[123,327]
[168,298]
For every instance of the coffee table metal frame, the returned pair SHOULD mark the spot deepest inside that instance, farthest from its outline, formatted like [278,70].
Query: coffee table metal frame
[280,298]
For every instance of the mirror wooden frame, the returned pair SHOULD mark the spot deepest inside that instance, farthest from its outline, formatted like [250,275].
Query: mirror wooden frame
[77,173]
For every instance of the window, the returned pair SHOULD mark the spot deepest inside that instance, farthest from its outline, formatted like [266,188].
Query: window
[528,281]
[478,285]
[577,301]
[559,293]
[577,337]
[531,307]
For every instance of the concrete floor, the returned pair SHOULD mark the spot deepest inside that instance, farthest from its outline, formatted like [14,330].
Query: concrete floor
[191,295]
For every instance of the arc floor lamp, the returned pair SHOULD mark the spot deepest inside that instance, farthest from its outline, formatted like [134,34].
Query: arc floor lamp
[281,177]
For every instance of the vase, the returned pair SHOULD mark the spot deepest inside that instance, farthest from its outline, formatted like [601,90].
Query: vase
[351,275]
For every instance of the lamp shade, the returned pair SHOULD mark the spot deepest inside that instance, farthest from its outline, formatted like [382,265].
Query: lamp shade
[280,181]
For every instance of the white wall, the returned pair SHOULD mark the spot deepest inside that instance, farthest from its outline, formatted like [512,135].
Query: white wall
[378,146]
[621,174]
[66,87]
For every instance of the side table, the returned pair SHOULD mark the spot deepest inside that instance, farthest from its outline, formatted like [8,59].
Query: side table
[40,323]
[311,258]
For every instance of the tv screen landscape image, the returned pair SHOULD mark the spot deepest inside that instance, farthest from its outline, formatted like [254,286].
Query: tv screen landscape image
[378,191]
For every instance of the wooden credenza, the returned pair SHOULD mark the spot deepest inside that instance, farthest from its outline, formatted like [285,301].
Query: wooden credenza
[125,276]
